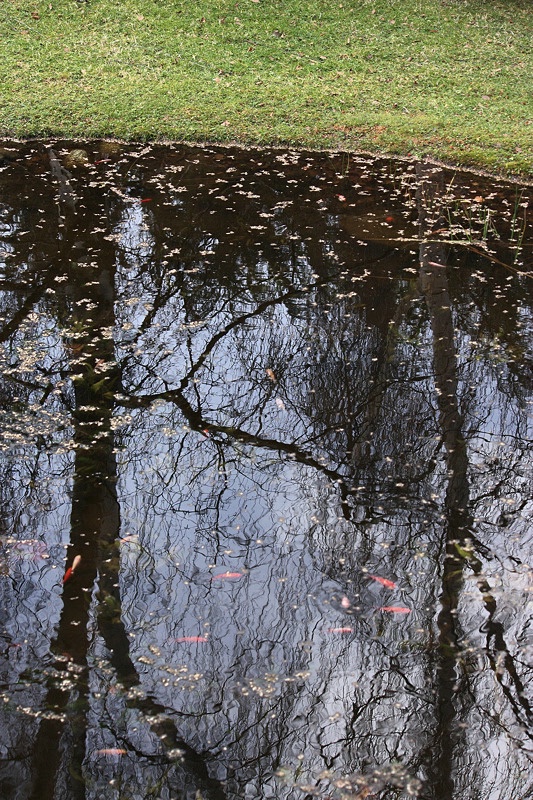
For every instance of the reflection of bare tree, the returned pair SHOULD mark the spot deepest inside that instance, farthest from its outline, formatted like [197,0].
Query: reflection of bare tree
[458,530]
[434,287]
[95,519]
[60,746]
[304,481]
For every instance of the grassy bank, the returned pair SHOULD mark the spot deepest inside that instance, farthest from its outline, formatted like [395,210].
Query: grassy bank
[447,78]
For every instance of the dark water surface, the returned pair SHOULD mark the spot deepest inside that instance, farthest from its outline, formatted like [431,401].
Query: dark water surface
[281,405]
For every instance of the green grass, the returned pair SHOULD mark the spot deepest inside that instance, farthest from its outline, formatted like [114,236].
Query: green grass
[451,79]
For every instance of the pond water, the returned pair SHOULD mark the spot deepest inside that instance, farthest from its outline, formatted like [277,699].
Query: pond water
[266,477]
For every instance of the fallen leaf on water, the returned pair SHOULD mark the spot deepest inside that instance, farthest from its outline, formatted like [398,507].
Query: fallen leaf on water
[191,639]
[464,552]
[395,609]
[227,576]
[340,630]
[383,581]
[271,374]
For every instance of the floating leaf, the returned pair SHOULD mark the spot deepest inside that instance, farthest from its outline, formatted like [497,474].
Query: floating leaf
[271,374]
[464,552]
[130,537]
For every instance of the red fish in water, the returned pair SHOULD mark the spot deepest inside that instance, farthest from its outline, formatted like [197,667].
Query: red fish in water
[191,639]
[112,751]
[71,570]
[227,576]
[383,581]
[340,630]
[395,609]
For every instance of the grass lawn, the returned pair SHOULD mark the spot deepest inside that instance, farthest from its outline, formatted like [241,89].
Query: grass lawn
[452,79]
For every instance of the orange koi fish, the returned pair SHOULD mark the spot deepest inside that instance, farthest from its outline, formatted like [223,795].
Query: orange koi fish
[71,570]
[181,639]
[227,576]
[383,581]
[340,630]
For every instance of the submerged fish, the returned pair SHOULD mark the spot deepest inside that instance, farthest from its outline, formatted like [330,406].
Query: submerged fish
[395,609]
[191,639]
[227,576]
[70,571]
[340,630]
[383,581]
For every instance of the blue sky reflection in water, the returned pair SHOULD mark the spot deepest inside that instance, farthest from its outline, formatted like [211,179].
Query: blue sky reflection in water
[280,404]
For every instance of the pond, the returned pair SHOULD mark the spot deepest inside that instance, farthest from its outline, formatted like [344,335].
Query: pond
[266,476]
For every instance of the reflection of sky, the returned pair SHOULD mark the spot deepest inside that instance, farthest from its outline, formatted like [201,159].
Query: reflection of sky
[277,683]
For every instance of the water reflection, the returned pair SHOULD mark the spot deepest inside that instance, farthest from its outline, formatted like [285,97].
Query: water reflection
[280,406]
